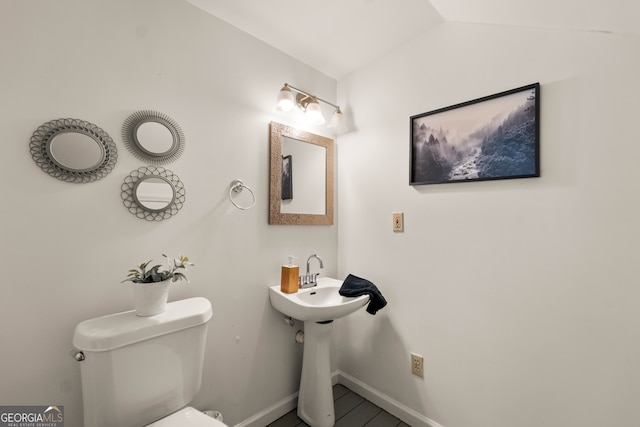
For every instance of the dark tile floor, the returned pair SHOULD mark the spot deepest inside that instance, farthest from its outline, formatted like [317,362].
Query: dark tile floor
[351,409]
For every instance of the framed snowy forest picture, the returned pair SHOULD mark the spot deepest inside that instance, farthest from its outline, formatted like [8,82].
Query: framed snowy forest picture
[494,137]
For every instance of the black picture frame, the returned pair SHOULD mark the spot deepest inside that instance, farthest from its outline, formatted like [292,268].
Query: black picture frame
[287,177]
[489,138]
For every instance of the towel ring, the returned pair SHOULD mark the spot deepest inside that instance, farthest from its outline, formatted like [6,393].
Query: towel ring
[236,187]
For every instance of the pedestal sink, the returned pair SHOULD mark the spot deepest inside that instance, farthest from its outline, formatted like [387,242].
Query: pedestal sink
[318,307]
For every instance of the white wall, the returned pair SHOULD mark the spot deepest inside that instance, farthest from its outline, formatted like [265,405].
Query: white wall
[66,247]
[522,295]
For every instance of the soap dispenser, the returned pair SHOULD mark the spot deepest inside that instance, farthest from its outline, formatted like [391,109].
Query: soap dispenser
[289,278]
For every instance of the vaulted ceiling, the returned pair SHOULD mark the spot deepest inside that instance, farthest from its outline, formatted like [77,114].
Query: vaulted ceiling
[340,36]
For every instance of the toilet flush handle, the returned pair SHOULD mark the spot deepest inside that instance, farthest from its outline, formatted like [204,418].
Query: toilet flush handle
[79,356]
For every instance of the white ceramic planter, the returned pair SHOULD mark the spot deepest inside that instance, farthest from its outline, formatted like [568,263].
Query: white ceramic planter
[150,298]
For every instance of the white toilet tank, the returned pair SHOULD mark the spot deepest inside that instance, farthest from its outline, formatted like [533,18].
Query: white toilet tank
[140,369]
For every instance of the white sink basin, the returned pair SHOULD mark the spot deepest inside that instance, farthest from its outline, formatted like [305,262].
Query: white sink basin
[316,304]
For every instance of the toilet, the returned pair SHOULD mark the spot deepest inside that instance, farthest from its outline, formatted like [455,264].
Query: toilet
[143,371]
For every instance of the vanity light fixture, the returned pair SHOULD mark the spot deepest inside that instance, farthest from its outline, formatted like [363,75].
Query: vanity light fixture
[309,105]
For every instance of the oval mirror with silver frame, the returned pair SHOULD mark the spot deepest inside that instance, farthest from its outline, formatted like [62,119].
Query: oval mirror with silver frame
[152,136]
[73,150]
[153,193]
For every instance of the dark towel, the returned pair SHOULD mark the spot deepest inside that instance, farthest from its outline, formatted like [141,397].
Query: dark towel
[354,286]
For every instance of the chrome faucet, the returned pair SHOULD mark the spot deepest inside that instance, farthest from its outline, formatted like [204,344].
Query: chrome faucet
[309,280]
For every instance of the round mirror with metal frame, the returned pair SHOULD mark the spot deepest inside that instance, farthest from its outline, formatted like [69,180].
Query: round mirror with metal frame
[152,136]
[153,193]
[73,150]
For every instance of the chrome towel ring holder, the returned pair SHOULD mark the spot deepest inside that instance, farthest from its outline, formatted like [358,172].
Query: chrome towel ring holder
[236,187]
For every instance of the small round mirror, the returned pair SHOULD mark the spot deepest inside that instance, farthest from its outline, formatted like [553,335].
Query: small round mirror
[76,151]
[154,193]
[155,138]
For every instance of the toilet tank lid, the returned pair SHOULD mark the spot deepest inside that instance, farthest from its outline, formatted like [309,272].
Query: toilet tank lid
[117,330]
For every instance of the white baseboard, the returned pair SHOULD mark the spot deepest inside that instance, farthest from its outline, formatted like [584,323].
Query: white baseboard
[271,413]
[395,408]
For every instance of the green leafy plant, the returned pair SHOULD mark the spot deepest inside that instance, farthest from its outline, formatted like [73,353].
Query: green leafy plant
[141,274]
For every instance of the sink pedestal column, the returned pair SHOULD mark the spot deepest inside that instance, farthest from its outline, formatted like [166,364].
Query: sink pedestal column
[315,398]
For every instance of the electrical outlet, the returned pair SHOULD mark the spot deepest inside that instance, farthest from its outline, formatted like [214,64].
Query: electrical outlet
[398,223]
[417,365]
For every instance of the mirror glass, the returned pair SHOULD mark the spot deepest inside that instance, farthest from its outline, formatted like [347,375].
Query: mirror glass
[154,193]
[303,188]
[154,137]
[76,151]
[301,177]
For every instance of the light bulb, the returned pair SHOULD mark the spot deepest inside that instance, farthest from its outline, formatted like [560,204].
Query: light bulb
[285,99]
[336,121]
[313,113]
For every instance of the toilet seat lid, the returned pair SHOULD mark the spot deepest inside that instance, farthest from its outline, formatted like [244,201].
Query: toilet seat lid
[188,417]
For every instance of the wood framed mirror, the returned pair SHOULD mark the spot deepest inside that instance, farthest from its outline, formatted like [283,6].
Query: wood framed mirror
[301,181]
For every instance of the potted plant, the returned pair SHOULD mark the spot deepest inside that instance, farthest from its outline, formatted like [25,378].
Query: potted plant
[151,285]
